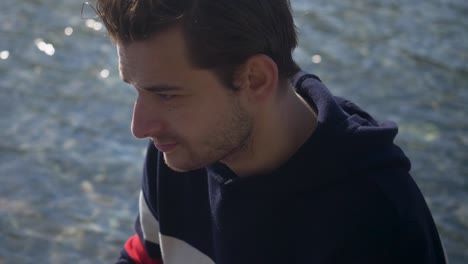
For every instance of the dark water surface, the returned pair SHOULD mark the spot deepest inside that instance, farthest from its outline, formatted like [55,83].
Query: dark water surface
[70,170]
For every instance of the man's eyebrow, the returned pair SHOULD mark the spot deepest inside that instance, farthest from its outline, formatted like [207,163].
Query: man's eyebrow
[156,88]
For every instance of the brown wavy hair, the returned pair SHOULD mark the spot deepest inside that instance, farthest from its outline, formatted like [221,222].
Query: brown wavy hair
[221,34]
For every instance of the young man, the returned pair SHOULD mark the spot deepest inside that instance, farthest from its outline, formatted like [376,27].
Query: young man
[251,160]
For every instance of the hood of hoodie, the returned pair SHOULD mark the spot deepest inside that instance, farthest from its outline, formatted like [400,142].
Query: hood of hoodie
[347,141]
[352,134]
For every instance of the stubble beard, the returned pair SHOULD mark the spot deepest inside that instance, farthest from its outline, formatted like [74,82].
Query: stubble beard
[231,138]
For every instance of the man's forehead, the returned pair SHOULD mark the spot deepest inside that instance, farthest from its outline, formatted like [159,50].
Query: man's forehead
[122,61]
[122,53]
[131,56]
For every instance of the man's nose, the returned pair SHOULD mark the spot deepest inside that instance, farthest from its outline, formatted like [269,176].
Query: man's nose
[145,120]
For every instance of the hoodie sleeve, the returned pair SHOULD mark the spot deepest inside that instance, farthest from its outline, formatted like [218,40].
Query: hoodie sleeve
[143,246]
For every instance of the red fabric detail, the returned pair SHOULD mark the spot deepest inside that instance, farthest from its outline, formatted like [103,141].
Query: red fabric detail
[137,251]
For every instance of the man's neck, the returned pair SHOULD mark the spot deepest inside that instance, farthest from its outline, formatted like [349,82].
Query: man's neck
[278,133]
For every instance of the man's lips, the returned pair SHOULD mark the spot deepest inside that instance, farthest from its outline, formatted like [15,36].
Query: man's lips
[165,148]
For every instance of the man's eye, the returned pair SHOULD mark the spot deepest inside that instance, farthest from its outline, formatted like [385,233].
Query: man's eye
[166,96]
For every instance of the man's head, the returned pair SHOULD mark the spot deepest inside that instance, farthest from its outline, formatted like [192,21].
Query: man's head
[220,34]
[207,73]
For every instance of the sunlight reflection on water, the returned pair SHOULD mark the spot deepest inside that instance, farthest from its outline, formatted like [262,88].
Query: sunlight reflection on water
[68,31]
[47,48]
[4,54]
[91,23]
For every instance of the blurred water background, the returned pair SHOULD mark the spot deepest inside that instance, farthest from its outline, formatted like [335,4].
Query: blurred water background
[70,169]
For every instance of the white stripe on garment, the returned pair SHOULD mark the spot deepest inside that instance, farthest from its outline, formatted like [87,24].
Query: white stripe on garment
[176,251]
[149,224]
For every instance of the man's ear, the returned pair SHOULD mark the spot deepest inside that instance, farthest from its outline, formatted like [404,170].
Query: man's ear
[258,77]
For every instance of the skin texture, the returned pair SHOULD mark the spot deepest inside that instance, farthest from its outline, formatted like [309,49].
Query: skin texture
[195,120]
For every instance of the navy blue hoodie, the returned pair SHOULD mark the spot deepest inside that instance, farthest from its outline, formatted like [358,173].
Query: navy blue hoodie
[345,196]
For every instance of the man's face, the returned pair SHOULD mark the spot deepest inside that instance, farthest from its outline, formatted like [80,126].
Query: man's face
[190,116]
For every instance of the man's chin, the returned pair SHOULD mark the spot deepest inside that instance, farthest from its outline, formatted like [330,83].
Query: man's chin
[177,169]
[181,167]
